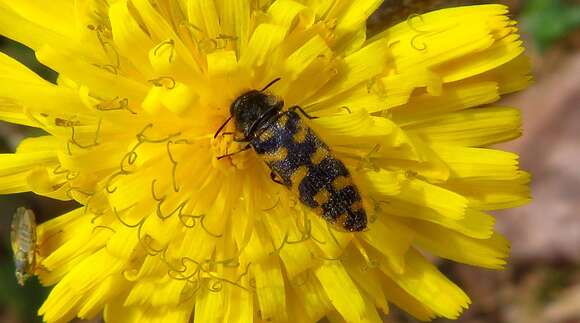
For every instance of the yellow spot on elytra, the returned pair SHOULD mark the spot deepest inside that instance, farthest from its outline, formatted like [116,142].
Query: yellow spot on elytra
[319,155]
[322,196]
[356,206]
[280,154]
[362,250]
[341,182]
[300,135]
[282,121]
[318,210]
[266,135]
[341,221]
[297,176]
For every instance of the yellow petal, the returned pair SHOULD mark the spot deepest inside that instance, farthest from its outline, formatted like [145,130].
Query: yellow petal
[130,39]
[471,128]
[265,39]
[179,99]
[25,31]
[110,287]
[236,20]
[285,12]
[270,290]
[366,276]
[81,160]
[62,301]
[221,63]
[371,313]
[445,202]
[342,291]
[392,240]
[489,253]
[321,7]
[44,182]
[16,80]
[432,49]
[56,17]
[122,243]
[9,67]
[300,59]
[356,68]
[405,301]
[424,282]
[204,15]
[102,82]
[162,31]
[473,222]
[362,97]
[209,307]
[240,306]
[360,128]
[36,144]
[455,96]
[310,297]
[287,236]
[382,183]
[491,194]
[356,15]
[19,163]
[14,183]
[478,163]
[115,312]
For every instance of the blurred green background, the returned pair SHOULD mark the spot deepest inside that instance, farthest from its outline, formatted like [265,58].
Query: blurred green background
[542,282]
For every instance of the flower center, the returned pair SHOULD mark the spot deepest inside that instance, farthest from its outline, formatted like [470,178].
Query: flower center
[229,154]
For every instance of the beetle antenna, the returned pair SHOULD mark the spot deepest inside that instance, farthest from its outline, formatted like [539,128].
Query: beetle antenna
[270,84]
[222,127]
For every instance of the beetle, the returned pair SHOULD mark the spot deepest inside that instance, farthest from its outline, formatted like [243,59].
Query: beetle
[297,157]
[23,241]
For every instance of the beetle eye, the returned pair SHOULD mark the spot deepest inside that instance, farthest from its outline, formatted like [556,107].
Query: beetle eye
[236,106]
[272,100]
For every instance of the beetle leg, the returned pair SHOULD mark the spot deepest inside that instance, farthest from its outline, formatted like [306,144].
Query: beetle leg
[231,154]
[236,139]
[222,127]
[275,178]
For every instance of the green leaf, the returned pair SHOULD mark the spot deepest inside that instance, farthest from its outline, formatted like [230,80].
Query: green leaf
[548,21]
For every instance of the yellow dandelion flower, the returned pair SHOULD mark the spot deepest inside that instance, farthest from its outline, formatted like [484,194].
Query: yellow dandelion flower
[168,232]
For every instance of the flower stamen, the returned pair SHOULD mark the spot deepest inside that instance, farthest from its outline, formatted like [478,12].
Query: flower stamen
[170,44]
[122,104]
[167,82]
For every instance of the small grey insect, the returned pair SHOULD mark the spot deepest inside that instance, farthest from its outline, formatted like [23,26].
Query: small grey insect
[23,240]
